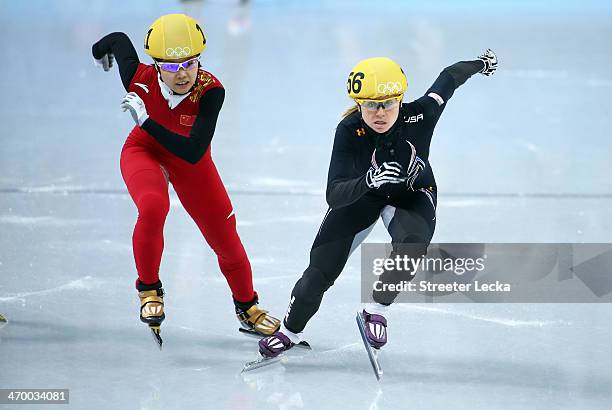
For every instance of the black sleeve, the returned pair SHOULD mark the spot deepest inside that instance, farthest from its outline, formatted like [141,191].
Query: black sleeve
[121,47]
[343,186]
[445,85]
[454,76]
[191,149]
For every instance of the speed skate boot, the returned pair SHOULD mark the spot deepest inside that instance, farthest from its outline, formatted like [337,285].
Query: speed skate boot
[270,350]
[255,321]
[375,329]
[274,345]
[152,309]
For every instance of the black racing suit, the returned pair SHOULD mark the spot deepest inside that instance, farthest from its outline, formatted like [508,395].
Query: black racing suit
[408,210]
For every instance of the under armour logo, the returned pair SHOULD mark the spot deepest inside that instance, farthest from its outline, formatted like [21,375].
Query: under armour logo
[360,132]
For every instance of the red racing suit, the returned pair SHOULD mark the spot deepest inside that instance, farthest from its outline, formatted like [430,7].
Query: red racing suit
[147,168]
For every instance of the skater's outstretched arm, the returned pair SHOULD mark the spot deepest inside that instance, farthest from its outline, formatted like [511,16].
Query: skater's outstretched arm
[117,46]
[452,77]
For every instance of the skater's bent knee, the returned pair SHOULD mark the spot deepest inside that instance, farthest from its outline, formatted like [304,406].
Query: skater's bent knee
[153,206]
[314,281]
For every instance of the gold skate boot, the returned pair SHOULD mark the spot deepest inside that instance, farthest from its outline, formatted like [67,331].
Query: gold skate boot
[255,321]
[152,311]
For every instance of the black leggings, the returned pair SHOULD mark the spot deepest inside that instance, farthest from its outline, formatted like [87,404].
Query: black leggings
[409,220]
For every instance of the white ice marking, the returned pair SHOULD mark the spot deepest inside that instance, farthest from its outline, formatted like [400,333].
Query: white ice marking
[283,219]
[189,329]
[86,283]
[101,244]
[25,220]
[262,190]
[350,346]
[53,188]
[465,203]
[490,319]
[40,220]
[262,261]
[279,182]
[109,245]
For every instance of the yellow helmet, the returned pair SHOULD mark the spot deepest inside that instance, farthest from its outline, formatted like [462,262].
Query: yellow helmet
[378,78]
[174,36]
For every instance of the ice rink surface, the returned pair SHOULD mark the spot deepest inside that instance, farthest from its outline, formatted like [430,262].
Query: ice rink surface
[523,156]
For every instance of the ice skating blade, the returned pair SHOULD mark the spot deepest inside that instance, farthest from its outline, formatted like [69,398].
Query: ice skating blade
[156,336]
[260,362]
[372,353]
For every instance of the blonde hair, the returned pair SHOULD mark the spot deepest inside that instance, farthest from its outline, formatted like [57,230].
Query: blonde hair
[350,111]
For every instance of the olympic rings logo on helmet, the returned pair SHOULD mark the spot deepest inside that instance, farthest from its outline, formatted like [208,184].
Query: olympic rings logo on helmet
[178,52]
[389,88]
